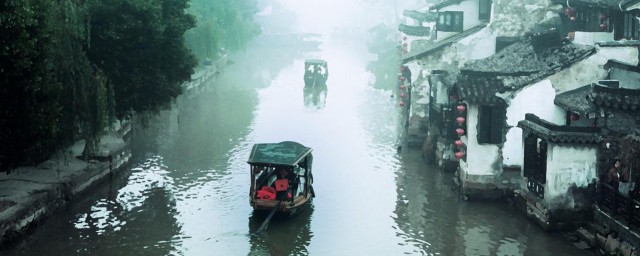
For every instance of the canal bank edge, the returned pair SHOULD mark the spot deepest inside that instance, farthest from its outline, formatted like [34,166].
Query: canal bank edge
[28,195]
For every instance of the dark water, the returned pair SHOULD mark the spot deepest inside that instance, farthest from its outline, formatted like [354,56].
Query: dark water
[188,193]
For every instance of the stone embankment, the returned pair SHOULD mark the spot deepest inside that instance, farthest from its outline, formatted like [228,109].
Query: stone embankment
[28,195]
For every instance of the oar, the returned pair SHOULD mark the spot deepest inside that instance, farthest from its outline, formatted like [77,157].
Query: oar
[265,224]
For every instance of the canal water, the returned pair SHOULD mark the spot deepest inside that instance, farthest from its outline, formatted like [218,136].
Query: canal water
[187,191]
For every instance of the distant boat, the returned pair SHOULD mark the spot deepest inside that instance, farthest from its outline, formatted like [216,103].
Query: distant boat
[281,177]
[316,72]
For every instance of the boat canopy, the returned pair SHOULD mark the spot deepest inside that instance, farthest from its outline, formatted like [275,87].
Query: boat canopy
[286,153]
[315,62]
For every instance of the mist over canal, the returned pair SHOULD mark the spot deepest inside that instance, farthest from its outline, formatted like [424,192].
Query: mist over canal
[187,194]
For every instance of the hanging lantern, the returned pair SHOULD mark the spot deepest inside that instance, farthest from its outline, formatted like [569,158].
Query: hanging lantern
[402,78]
[404,38]
[460,108]
[402,103]
[460,131]
[572,18]
[402,95]
[459,143]
[404,51]
[403,87]
[404,44]
[459,155]
[460,120]
[402,69]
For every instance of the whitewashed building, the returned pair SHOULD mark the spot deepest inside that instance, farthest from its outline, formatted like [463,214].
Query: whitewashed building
[524,78]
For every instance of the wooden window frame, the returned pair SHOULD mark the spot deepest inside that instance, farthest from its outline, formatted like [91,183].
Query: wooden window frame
[627,25]
[450,21]
[491,123]
[484,10]
[589,20]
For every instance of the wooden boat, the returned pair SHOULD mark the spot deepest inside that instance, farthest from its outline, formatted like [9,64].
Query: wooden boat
[281,172]
[316,72]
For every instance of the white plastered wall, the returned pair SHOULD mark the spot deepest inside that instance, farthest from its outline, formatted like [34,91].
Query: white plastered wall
[568,165]
[537,99]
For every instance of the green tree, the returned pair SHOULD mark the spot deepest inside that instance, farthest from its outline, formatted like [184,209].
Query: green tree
[222,24]
[139,44]
[29,109]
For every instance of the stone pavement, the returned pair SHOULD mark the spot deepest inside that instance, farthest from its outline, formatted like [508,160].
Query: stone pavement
[29,194]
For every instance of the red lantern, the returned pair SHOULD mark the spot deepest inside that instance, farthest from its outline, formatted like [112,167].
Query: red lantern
[402,103]
[459,143]
[405,51]
[459,155]
[460,108]
[402,95]
[404,38]
[402,87]
[460,131]
[404,44]
[402,69]
[402,78]
[460,120]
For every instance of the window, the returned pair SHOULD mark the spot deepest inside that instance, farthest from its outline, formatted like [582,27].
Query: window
[592,20]
[485,10]
[628,26]
[491,122]
[450,21]
[535,164]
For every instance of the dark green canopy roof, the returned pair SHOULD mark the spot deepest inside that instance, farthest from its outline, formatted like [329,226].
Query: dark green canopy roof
[287,153]
[315,61]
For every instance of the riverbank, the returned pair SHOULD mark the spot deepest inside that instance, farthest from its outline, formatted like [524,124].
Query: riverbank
[30,194]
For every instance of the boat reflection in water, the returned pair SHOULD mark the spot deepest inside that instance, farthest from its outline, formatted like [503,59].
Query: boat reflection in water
[315,96]
[285,236]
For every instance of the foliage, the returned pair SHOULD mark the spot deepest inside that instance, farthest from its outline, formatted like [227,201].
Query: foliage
[140,46]
[29,109]
[68,68]
[221,24]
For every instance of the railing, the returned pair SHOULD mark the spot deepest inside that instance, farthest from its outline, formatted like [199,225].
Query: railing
[536,187]
[619,205]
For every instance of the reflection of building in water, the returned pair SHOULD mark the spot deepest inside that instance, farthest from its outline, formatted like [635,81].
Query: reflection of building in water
[426,209]
[433,219]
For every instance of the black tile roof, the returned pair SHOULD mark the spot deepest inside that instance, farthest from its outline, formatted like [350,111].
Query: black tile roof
[515,67]
[620,105]
[414,30]
[615,98]
[444,3]
[619,43]
[609,4]
[419,53]
[560,133]
[576,100]
[423,16]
